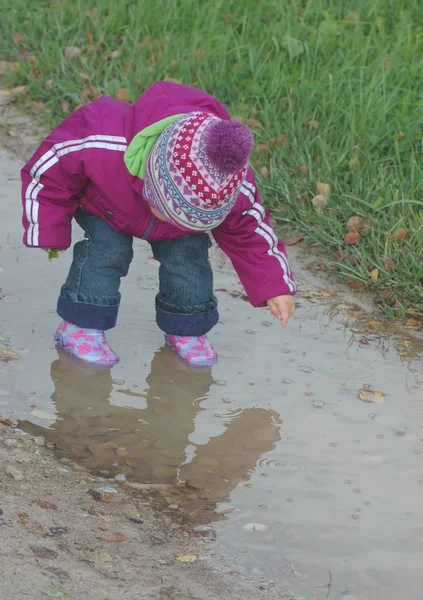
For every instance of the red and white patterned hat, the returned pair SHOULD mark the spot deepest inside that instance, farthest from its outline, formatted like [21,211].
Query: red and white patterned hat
[196,168]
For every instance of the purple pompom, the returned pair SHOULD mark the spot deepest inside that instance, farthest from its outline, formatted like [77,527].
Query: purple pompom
[228,146]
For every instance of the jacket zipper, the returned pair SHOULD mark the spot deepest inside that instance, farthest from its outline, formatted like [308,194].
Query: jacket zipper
[149,229]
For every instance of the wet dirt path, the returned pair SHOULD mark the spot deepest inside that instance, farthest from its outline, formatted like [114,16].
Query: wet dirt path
[273,452]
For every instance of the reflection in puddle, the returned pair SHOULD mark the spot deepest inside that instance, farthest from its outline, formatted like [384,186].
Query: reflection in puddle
[149,441]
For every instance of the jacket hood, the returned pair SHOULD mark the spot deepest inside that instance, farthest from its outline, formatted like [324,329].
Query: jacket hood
[165,99]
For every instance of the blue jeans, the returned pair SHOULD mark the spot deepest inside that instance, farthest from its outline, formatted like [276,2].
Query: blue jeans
[90,298]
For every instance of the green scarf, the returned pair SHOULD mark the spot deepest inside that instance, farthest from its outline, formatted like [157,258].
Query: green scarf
[136,154]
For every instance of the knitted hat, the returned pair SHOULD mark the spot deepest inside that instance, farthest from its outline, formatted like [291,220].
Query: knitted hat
[195,170]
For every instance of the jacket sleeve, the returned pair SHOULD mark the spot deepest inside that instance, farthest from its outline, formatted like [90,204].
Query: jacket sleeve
[52,178]
[257,255]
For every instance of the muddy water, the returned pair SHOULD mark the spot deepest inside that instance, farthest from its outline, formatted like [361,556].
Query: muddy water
[272,449]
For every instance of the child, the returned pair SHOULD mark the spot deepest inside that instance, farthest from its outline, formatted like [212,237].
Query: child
[168,169]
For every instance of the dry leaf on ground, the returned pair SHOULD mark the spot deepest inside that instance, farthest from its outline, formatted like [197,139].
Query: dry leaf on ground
[354,284]
[323,189]
[412,324]
[368,395]
[374,274]
[291,241]
[65,106]
[115,537]
[264,171]
[187,558]
[312,124]
[388,265]
[352,238]
[400,234]
[319,202]
[355,224]
[263,148]
[46,504]
[72,52]
[123,94]
[42,552]
[303,170]
[90,93]
[279,140]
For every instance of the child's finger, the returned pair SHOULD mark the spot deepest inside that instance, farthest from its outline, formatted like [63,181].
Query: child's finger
[284,315]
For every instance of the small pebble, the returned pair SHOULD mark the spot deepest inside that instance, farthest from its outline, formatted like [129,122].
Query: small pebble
[307,370]
[40,441]
[120,478]
[65,460]
[50,446]
[15,473]
[318,404]
[107,489]
[64,470]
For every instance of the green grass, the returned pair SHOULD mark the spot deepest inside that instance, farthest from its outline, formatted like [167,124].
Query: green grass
[355,67]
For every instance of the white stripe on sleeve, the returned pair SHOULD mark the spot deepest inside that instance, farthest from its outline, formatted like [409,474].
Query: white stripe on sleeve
[49,159]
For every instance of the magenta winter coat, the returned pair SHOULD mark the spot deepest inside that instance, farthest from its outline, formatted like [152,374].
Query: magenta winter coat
[81,164]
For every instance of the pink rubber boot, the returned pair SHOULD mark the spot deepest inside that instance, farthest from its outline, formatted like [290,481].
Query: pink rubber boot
[196,351]
[89,345]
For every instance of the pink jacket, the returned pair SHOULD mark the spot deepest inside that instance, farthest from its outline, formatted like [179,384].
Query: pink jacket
[81,164]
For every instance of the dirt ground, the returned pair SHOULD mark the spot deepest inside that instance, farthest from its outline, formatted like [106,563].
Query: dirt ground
[62,537]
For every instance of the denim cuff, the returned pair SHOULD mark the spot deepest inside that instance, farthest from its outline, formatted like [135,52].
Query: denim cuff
[88,316]
[186,324]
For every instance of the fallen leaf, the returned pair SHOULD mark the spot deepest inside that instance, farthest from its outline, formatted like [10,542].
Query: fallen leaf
[186,558]
[72,52]
[352,238]
[123,94]
[52,593]
[312,124]
[388,265]
[65,106]
[90,93]
[293,46]
[400,234]
[354,162]
[354,284]
[96,495]
[18,38]
[411,311]
[115,537]
[323,189]
[29,524]
[102,558]
[319,202]
[303,170]
[42,552]
[291,241]
[328,293]
[368,395]
[412,324]
[387,62]
[374,274]
[279,140]
[355,224]
[262,148]
[38,106]
[5,66]
[32,59]
[46,504]
[399,136]
[264,171]
[58,572]
[253,123]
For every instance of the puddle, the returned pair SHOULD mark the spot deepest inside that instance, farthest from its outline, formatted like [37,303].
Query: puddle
[272,451]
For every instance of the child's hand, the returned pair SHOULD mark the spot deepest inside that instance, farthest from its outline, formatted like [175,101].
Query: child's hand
[282,307]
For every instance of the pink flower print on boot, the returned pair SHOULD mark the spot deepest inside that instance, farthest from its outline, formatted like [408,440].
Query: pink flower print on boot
[196,351]
[89,345]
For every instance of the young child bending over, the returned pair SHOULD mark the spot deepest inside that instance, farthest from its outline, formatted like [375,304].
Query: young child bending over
[169,169]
